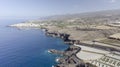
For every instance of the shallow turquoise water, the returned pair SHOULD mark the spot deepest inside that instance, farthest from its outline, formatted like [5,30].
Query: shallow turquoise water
[26,48]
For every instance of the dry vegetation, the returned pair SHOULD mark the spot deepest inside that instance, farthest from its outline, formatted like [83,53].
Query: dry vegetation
[111,42]
[84,27]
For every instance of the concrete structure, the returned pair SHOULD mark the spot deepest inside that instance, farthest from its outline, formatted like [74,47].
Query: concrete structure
[98,57]
[89,53]
[109,60]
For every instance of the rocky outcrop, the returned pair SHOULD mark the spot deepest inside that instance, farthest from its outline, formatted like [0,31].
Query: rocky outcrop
[64,36]
[70,58]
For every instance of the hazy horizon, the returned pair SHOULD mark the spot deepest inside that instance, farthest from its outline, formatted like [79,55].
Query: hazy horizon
[42,8]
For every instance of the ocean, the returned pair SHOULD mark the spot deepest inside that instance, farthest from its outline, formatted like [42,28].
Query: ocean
[26,47]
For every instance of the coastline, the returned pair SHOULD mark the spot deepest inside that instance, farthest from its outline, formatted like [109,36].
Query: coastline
[70,58]
[69,54]
[98,52]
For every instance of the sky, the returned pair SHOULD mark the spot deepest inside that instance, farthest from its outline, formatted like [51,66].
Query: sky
[42,8]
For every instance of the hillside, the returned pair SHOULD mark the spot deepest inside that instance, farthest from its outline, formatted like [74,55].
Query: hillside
[82,26]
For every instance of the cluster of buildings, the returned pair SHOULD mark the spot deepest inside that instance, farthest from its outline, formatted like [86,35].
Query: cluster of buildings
[109,60]
[98,57]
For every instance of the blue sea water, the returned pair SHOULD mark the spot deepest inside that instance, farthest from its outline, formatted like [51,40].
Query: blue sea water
[27,47]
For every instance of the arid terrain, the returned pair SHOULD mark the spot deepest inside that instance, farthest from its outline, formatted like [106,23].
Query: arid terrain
[101,29]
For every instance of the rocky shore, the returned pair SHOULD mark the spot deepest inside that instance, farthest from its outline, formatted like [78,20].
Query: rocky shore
[89,37]
[63,36]
[69,58]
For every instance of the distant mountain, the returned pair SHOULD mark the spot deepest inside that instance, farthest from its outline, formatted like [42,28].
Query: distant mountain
[105,16]
[104,13]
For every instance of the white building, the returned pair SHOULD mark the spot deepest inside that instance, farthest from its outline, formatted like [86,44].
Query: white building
[98,57]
